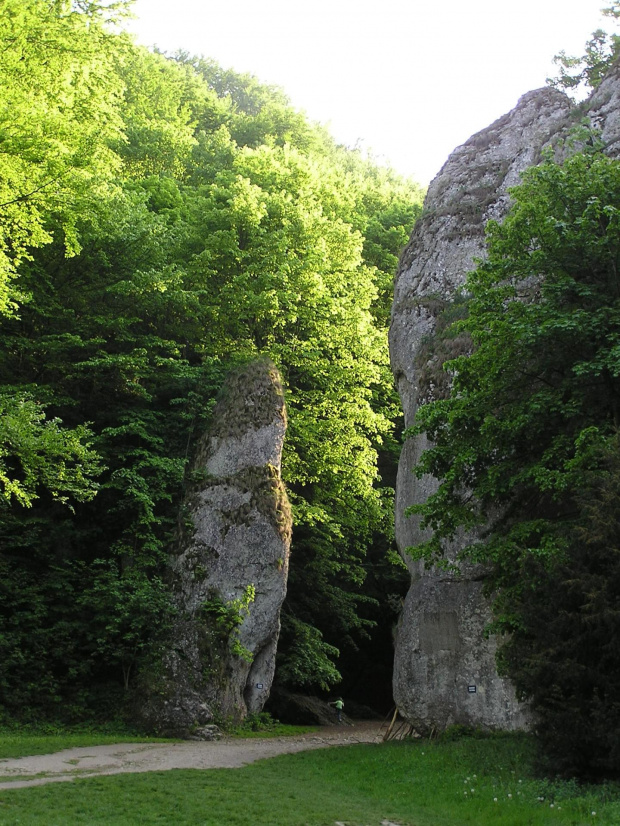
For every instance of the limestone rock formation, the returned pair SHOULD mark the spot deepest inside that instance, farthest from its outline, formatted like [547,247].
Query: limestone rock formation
[444,668]
[229,576]
[602,110]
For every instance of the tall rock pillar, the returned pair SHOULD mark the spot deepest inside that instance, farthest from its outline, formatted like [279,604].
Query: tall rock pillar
[229,575]
[444,669]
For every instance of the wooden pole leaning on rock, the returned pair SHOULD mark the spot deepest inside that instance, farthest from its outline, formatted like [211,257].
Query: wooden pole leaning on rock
[399,731]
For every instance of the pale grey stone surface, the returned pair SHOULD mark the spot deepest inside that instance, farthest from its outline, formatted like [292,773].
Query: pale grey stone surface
[603,111]
[233,453]
[238,536]
[445,671]
[441,648]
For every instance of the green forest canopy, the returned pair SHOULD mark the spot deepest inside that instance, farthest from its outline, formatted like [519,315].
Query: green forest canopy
[162,219]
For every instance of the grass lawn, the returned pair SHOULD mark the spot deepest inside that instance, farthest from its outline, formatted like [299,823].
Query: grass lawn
[19,743]
[15,744]
[468,781]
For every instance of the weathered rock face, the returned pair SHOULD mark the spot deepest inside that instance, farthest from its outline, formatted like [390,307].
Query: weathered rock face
[602,110]
[235,547]
[444,667]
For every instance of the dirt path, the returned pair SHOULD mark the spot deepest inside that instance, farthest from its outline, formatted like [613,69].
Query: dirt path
[145,757]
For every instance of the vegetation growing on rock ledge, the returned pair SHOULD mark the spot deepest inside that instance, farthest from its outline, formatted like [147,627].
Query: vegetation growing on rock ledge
[588,70]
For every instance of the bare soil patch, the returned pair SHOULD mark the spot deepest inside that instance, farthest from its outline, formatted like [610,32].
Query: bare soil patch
[227,753]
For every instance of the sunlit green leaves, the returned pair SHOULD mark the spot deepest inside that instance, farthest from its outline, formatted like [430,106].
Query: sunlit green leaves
[59,108]
[37,452]
[198,220]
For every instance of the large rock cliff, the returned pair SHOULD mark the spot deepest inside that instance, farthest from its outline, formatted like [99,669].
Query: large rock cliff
[444,666]
[230,572]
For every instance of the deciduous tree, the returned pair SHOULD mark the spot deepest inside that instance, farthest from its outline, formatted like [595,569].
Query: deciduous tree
[525,446]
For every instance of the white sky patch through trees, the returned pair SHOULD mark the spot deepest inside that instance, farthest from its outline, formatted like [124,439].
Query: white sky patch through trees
[407,80]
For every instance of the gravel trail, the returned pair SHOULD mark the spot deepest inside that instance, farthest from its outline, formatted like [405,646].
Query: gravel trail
[227,753]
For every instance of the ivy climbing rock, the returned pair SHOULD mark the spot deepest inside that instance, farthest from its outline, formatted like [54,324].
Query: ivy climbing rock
[230,572]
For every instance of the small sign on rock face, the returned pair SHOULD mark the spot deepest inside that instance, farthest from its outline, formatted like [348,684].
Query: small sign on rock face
[471,689]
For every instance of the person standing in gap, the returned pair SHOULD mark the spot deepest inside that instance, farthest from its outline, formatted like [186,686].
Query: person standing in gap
[339,706]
